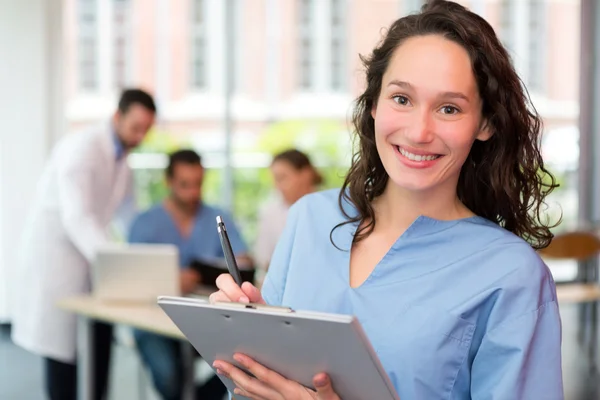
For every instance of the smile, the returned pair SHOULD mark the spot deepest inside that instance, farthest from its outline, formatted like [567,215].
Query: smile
[417,157]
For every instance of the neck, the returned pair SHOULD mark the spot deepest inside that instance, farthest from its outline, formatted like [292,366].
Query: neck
[181,209]
[398,207]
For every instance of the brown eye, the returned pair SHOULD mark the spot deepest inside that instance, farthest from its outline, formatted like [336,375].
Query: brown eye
[449,110]
[402,100]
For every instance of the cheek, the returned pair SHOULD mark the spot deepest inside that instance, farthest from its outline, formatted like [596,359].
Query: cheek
[390,122]
[458,137]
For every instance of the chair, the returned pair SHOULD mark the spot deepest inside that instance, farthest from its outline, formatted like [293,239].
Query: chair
[580,246]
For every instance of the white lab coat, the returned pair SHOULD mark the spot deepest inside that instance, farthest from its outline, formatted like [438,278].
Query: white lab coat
[82,189]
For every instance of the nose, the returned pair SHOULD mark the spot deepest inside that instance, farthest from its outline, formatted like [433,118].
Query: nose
[421,129]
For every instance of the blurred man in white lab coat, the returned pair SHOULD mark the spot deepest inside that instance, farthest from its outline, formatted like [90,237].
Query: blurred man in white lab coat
[85,185]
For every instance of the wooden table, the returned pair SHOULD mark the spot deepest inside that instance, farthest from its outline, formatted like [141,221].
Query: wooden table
[148,317]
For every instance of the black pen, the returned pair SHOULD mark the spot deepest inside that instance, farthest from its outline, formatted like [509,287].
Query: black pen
[228,251]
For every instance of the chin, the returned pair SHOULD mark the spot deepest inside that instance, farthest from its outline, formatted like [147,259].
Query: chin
[411,185]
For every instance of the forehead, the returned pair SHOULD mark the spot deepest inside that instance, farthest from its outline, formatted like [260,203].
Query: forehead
[138,111]
[433,63]
[185,170]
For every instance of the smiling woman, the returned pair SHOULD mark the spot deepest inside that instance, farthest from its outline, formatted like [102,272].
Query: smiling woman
[431,241]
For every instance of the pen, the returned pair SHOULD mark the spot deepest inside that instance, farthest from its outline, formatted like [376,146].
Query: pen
[228,251]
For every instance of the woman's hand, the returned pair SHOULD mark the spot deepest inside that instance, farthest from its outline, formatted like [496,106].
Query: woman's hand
[229,291]
[269,385]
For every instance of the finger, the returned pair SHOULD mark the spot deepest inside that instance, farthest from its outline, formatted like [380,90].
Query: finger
[217,297]
[253,293]
[241,392]
[269,377]
[250,385]
[324,388]
[228,286]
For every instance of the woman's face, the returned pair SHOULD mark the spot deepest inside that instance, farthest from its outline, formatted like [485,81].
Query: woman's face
[428,114]
[292,183]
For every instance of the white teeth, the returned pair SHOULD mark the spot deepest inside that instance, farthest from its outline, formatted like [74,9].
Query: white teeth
[416,157]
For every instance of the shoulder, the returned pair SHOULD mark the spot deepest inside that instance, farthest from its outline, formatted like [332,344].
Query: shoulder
[321,203]
[149,216]
[510,270]
[316,215]
[83,144]
[212,211]
[208,217]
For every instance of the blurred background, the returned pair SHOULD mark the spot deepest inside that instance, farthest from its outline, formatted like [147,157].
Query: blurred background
[240,80]
[295,73]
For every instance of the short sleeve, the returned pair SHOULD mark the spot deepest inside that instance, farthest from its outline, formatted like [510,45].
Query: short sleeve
[140,230]
[521,359]
[274,284]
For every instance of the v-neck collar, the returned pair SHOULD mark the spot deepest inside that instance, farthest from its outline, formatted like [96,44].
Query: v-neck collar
[420,227]
[183,239]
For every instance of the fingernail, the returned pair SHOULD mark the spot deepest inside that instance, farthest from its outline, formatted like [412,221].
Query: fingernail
[239,358]
[217,365]
[321,381]
[244,299]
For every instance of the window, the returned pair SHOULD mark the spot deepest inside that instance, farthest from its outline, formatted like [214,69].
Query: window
[121,43]
[322,62]
[410,6]
[507,24]
[527,21]
[338,25]
[537,52]
[198,36]
[306,32]
[88,44]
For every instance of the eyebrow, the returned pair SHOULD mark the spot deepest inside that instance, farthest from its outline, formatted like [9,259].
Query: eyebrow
[447,95]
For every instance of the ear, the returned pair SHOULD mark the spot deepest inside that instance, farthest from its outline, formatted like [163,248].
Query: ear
[485,131]
[374,110]
[116,117]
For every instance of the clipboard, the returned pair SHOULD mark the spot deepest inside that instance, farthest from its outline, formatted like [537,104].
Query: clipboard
[296,344]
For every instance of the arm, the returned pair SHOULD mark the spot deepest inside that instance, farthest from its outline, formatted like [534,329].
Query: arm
[521,359]
[127,210]
[75,194]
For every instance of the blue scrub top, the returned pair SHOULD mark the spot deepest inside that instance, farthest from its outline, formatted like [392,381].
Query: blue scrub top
[457,309]
[156,226]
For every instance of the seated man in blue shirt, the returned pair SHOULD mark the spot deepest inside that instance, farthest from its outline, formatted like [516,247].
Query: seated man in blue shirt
[185,221]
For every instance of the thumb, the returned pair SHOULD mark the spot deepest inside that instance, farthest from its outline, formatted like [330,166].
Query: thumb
[324,389]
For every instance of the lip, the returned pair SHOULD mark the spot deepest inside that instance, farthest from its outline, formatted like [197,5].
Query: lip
[416,164]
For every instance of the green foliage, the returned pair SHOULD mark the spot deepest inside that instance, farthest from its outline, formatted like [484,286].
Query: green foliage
[150,187]
[326,142]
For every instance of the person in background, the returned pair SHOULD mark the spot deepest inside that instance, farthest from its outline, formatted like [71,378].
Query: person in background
[187,222]
[84,186]
[431,241]
[294,177]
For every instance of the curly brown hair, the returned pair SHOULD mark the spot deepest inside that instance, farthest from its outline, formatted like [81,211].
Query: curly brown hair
[503,179]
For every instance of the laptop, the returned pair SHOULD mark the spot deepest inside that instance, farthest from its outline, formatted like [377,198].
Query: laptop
[135,272]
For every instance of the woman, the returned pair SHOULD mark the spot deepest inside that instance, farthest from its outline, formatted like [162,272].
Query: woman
[294,177]
[433,234]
